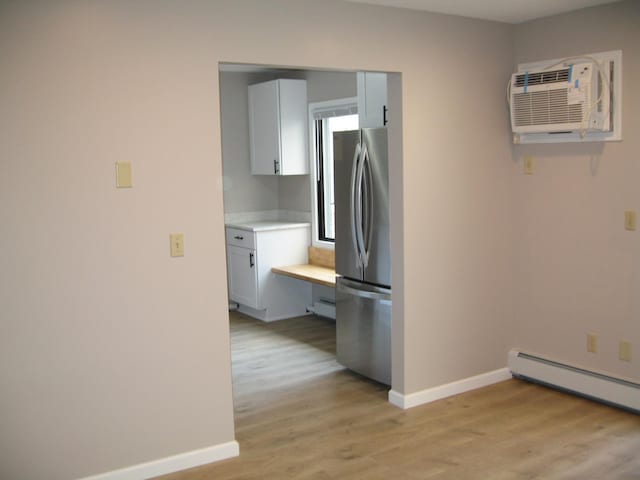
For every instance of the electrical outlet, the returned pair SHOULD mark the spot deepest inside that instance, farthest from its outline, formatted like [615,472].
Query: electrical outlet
[625,351]
[592,343]
[630,220]
[527,164]
[177,244]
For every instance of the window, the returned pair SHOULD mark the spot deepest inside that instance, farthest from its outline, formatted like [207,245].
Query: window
[327,118]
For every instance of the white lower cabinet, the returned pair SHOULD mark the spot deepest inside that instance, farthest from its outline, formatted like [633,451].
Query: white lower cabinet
[251,253]
[243,276]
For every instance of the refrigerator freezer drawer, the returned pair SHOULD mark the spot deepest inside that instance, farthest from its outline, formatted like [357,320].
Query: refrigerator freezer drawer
[363,329]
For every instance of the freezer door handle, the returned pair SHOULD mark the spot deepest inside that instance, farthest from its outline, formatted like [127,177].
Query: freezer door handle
[370,292]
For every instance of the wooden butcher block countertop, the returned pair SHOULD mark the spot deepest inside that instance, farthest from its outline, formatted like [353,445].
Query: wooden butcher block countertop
[320,269]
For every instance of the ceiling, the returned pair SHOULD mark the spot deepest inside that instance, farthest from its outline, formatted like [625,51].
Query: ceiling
[509,11]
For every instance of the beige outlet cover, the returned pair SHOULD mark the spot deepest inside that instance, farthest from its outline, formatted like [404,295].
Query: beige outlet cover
[527,166]
[625,351]
[592,343]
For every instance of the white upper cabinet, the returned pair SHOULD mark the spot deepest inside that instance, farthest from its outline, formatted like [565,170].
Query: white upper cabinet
[372,99]
[278,127]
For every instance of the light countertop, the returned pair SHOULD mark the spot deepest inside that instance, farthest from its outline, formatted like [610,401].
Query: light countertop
[264,225]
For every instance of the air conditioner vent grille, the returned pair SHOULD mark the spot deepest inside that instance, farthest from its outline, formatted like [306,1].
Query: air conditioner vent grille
[544,108]
[541,78]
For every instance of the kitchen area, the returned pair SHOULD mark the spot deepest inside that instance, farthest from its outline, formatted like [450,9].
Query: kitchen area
[280,265]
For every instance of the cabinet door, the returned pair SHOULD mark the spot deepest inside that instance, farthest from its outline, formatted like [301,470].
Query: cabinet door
[372,99]
[243,276]
[278,127]
[264,128]
[294,129]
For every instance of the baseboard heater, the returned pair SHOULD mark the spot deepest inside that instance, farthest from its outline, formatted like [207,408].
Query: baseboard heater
[324,308]
[596,386]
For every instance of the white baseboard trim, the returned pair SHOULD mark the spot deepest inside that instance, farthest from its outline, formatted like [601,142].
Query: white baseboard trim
[443,391]
[172,464]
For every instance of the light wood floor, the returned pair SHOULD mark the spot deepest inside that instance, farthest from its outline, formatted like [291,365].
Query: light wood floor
[299,415]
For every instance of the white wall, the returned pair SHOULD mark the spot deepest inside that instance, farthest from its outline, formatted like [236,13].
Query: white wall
[112,353]
[578,268]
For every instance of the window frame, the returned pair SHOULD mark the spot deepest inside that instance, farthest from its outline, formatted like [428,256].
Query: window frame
[324,109]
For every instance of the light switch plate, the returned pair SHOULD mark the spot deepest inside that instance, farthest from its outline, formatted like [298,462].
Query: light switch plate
[177,244]
[123,175]
[630,220]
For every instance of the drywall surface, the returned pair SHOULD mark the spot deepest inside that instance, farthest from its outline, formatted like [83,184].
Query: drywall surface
[578,269]
[243,192]
[295,190]
[112,353]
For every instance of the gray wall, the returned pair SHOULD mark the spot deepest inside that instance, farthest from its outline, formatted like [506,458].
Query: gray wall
[243,192]
[577,267]
[114,354]
[295,191]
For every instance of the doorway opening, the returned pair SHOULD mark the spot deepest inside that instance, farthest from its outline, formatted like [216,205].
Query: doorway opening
[273,360]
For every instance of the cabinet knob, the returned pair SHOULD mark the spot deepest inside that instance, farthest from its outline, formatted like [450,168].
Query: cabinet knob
[238,237]
[276,166]
[251,262]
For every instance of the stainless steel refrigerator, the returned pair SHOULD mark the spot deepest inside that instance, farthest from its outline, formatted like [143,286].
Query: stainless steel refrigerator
[363,257]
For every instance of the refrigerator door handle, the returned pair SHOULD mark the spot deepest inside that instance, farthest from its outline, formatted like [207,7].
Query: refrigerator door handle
[360,187]
[373,293]
[368,204]
[352,211]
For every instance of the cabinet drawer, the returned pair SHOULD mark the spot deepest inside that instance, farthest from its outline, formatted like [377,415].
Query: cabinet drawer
[240,238]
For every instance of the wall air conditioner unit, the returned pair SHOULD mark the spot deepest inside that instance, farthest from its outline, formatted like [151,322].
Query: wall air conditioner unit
[559,100]
[569,99]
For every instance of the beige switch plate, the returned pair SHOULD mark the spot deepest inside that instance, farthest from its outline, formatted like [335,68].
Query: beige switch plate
[123,175]
[630,220]
[625,351]
[527,165]
[592,343]
[177,244]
